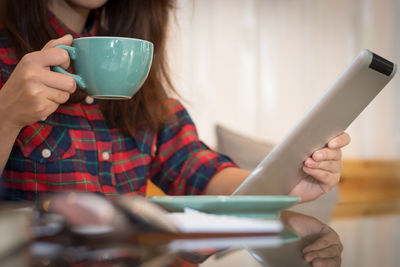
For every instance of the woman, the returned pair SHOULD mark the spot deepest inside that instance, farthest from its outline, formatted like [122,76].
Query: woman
[55,138]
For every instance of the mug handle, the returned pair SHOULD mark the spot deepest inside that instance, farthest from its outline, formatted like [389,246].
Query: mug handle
[72,54]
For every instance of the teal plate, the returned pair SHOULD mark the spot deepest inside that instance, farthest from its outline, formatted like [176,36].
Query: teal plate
[242,206]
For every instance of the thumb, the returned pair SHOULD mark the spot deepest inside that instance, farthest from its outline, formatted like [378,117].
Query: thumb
[65,40]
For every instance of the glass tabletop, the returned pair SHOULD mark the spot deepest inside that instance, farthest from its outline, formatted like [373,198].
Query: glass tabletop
[365,239]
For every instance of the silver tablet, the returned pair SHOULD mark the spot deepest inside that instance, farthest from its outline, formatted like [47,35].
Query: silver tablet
[281,170]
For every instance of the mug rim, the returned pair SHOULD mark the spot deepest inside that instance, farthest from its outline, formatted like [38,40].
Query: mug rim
[112,37]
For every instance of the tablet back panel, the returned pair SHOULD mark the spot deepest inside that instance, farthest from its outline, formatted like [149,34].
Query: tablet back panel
[281,170]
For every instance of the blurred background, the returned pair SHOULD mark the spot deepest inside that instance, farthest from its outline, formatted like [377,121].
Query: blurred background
[256,66]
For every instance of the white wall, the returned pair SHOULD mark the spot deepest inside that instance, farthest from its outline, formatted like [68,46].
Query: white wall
[256,66]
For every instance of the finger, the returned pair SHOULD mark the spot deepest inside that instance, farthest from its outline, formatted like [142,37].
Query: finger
[339,141]
[65,40]
[47,58]
[329,252]
[51,108]
[57,96]
[58,80]
[65,65]
[333,166]
[327,154]
[327,240]
[44,107]
[326,179]
[44,97]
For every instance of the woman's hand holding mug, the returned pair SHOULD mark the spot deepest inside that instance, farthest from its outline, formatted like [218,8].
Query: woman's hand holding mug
[33,91]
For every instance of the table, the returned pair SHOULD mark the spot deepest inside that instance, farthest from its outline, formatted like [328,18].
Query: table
[368,240]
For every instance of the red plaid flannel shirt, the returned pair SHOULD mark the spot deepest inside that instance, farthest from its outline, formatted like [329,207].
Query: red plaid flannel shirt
[74,150]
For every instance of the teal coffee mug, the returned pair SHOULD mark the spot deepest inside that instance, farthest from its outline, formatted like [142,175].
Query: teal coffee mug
[109,67]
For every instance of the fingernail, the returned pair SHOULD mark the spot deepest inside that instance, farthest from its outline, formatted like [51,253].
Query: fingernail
[334,144]
[310,163]
[307,162]
[308,258]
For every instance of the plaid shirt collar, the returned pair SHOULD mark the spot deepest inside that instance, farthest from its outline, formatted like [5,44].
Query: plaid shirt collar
[90,29]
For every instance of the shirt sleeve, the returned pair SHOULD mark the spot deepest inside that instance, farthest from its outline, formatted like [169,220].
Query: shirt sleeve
[183,165]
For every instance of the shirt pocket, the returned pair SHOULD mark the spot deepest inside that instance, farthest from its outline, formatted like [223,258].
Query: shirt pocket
[43,142]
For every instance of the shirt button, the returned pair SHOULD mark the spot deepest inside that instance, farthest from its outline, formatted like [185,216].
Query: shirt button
[46,153]
[89,100]
[105,155]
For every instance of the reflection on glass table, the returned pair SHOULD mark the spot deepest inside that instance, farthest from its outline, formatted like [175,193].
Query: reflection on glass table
[83,230]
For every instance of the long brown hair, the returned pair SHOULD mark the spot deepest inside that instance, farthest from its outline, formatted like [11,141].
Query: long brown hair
[28,29]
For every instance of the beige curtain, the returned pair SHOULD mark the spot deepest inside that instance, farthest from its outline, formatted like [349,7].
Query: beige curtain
[256,66]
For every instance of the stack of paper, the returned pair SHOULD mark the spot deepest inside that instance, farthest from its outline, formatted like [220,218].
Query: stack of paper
[193,221]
